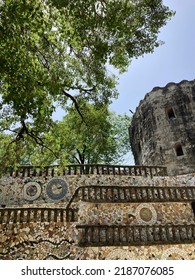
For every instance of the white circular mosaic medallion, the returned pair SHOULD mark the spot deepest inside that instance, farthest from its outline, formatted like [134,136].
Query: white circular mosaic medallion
[146,214]
[174,254]
[31,191]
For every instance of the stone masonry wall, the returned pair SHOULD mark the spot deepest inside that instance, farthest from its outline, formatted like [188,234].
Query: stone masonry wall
[136,213]
[14,191]
[58,239]
[162,128]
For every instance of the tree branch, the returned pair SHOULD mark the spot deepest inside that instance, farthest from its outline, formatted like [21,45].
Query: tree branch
[86,90]
[75,104]
[76,159]
[25,130]
[80,156]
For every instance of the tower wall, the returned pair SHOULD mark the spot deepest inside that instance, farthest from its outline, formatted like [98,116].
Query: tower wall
[163,128]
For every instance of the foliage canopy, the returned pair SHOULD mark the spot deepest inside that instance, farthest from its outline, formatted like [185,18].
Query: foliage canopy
[59,50]
[56,51]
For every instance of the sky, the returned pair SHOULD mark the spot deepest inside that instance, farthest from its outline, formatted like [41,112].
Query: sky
[172,62]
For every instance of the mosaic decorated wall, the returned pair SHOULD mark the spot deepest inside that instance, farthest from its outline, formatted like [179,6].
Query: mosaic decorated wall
[59,190]
[54,241]
[104,223]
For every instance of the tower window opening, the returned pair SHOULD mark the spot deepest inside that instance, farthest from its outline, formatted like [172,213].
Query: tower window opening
[179,150]
[170,113]
[193,207]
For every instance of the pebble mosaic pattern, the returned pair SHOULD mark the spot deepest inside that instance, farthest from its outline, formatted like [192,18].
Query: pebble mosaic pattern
[174,254]
[56,189]
[11,189]
[59,241]
[56,239]
[120,254]
[130,214]
[32,191]
[146,214]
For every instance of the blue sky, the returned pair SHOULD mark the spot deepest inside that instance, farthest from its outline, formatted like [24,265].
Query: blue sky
[172,62]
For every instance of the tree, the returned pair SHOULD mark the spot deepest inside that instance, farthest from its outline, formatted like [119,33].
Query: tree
[58,50]
[101,138]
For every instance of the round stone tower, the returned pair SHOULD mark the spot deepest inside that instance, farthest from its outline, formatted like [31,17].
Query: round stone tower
[162,131]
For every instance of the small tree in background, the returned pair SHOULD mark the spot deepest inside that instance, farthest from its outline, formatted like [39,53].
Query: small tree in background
[102,137]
